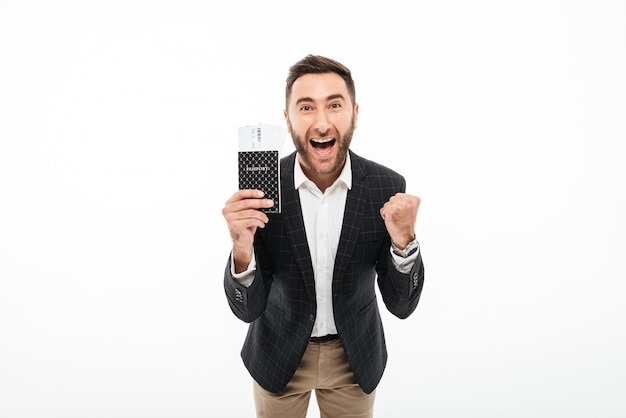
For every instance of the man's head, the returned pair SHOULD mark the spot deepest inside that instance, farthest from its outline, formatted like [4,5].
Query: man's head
[317,64]
[321,116]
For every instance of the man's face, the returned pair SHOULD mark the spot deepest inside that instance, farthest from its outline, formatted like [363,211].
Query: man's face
[321,120]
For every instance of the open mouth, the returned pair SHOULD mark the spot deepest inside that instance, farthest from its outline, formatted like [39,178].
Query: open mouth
[323,143]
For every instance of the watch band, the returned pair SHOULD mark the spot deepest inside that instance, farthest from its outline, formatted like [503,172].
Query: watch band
[406,252]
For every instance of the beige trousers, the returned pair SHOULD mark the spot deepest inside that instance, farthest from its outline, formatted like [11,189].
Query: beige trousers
[325,369]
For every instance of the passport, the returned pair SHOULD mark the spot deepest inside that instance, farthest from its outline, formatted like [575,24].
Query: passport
[261,170]
[259,161]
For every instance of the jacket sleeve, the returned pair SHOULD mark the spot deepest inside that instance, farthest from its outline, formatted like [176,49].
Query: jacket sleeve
[400,292]
[247,303]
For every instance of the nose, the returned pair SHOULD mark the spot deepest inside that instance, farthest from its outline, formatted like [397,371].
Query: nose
[321,126]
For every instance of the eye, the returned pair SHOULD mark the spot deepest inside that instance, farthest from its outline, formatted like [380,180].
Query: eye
[306,108]
[335,105]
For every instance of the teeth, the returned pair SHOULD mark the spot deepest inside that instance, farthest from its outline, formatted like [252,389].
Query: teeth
[322,141]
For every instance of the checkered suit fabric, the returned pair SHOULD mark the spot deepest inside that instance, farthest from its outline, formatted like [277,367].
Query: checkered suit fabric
[280,304]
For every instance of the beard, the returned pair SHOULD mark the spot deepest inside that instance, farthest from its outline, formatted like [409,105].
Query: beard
[332,164]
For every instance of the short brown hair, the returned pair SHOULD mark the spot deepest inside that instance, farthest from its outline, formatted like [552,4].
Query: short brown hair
[317,64]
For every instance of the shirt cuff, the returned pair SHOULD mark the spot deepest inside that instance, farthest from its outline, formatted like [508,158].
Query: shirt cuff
[404,259]
[245,278]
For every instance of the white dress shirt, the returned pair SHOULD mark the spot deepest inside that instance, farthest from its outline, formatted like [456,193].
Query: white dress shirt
[323,217]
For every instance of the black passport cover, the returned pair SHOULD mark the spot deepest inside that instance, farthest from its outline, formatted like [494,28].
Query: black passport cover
[261,170]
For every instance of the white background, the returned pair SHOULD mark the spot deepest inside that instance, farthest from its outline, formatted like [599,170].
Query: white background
[118,139]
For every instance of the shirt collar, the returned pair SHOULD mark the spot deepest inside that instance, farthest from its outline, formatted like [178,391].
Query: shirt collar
[299,178]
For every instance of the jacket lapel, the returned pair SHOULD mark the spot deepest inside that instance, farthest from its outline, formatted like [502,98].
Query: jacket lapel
[352,219]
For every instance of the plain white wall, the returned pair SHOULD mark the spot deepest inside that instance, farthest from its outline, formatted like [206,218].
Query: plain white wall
[118,134]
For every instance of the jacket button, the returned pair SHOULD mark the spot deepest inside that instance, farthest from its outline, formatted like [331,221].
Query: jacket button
[415,280]
[312,318]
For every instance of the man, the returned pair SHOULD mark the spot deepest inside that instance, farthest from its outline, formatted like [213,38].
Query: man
[305,278]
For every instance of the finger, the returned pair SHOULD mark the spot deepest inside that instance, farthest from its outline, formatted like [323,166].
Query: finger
[245,194]
[245,204]
[246,224]
[404,201]
[248,214]
[382,211]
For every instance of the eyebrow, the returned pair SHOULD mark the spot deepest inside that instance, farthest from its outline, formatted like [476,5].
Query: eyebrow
[328,99]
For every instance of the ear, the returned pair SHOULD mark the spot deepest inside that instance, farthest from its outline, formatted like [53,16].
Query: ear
[355,115]
[287,120]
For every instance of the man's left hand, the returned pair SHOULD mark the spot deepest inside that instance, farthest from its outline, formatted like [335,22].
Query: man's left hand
[400,214]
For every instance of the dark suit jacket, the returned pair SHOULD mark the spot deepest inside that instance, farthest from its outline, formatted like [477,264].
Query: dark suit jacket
[280,304]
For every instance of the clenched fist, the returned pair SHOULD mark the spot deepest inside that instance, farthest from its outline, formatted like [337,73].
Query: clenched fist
[400,215]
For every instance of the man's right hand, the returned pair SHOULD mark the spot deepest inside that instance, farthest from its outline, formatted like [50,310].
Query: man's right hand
[243,219]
